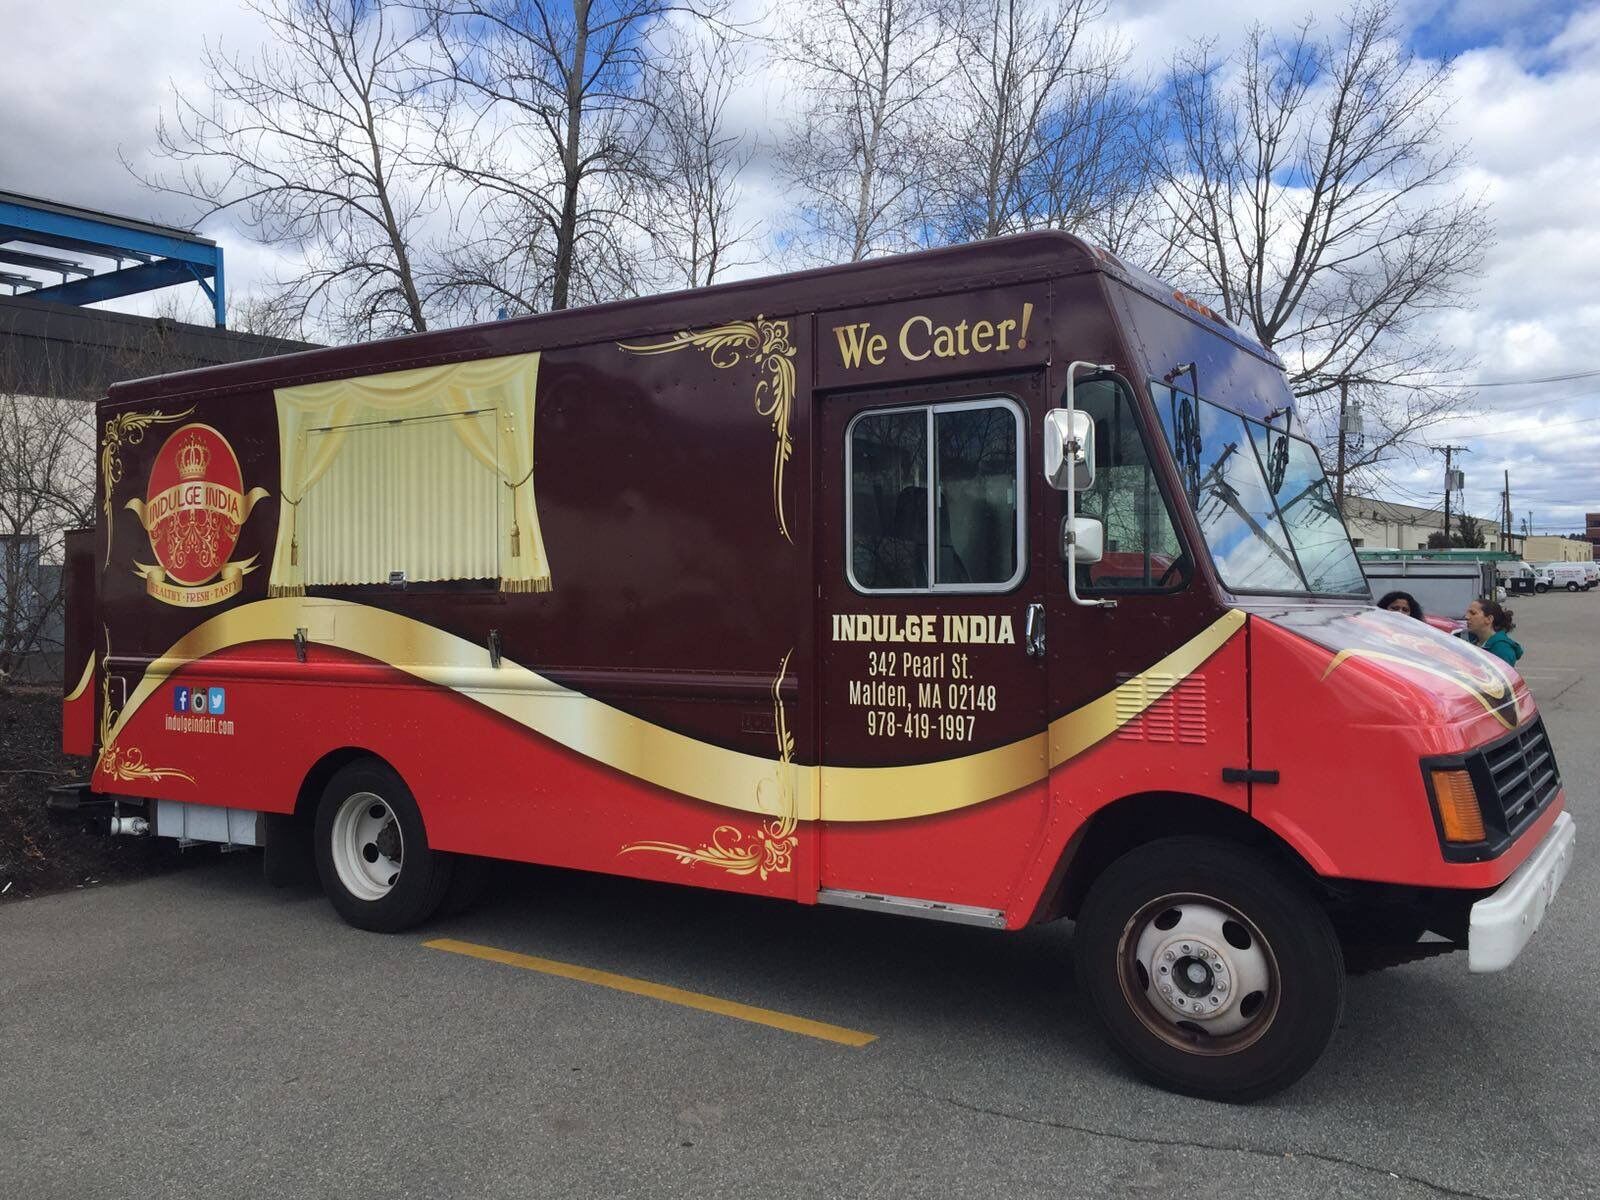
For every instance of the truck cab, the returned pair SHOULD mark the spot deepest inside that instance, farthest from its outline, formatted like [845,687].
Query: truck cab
[1399,778]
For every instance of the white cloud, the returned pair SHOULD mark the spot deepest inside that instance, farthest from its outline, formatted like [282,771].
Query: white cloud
[1532,118]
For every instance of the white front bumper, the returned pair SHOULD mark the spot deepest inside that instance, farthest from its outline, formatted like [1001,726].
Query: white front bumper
[1503,922]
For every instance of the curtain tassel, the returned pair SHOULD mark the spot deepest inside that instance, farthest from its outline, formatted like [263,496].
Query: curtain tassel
[294,552]
[516,540]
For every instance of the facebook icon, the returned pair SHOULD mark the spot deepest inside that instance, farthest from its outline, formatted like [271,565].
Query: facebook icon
[180,699]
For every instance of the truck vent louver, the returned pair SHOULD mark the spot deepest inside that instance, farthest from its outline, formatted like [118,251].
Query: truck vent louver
[1161,708]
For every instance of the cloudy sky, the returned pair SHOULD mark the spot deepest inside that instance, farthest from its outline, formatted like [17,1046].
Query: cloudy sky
[84,82]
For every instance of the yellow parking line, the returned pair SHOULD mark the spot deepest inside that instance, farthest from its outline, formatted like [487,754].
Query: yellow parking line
[659,991]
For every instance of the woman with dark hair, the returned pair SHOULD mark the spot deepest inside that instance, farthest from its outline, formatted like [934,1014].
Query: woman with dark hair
[1404,603]
[1489,626]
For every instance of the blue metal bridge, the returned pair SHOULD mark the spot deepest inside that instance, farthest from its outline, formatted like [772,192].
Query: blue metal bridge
[62,254]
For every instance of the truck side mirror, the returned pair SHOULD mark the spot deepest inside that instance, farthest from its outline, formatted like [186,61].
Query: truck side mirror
[1068,449]
[1088,535]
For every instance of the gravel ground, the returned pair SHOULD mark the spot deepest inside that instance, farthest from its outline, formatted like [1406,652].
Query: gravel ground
[35,856]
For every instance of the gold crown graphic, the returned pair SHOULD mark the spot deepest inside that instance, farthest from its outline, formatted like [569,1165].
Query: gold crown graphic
[193,458]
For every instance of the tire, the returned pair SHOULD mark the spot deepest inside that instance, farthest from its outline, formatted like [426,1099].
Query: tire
[1234,922]
[372,850]
[1572,587]
[1541,588]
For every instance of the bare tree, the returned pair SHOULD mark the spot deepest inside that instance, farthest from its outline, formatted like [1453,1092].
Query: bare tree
[547,122]
[308,142]
[46,487]
[698,160]
[266,314]
[1310,192]
[863,140]
[1040,131]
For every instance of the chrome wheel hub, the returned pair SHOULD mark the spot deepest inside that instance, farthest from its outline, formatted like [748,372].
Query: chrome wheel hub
[1202,971]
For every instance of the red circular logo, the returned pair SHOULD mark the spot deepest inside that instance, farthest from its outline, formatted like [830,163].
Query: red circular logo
[195,504]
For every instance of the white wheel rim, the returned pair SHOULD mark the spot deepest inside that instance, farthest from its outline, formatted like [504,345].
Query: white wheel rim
[368,847]
[1199,974]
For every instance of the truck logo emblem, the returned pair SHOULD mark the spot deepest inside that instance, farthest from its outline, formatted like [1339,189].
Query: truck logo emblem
[192,512]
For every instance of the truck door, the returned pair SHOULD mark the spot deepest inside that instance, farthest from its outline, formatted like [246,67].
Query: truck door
[1148,678]
[932,717]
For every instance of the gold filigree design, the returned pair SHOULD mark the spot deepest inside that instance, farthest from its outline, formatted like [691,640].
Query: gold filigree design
[125,429]
[770,849]
[767,343]
[123,763]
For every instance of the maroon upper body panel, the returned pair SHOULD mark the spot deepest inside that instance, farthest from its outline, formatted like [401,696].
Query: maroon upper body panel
[928,273]
[692,521]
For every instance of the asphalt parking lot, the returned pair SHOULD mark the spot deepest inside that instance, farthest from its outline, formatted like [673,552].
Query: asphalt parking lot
[202,1034]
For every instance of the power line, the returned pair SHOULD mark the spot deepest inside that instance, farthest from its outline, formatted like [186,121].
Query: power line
[1486,383]
[1540,402]
[1532,428]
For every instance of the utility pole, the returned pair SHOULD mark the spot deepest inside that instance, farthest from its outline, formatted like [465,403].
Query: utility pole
[1505,512]
[1338,469]
[1349,427]
[1453,480]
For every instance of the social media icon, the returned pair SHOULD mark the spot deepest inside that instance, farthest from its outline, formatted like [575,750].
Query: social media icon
[217,700]
[180,699]
[197,701]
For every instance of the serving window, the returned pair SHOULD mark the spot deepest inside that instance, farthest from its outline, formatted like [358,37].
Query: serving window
[427,472]
[934,497]
[402,497]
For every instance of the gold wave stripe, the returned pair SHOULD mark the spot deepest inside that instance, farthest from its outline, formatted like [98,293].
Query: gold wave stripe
[770,850]
[727,778]
[83,683]
[124,763]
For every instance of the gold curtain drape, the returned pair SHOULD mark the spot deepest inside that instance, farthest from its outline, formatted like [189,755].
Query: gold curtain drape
[368,516]
[505,446]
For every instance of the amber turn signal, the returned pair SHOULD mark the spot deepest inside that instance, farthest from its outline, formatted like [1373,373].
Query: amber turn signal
[1458,807]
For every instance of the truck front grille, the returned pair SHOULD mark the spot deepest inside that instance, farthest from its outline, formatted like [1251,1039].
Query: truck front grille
[1515,777]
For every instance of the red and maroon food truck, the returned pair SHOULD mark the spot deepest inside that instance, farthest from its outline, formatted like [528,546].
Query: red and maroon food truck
[991,585]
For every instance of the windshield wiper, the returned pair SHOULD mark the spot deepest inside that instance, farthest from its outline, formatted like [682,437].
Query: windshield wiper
[1225,492]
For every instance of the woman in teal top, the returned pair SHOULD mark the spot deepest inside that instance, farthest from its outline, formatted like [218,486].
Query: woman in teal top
[1489,625]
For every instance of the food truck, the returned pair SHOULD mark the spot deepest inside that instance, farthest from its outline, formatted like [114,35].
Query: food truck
[992,585]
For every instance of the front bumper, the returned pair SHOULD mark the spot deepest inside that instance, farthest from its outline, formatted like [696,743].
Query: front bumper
[1502,922]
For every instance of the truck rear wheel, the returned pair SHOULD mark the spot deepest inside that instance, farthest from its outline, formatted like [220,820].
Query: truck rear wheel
[1214,971]
[372,850]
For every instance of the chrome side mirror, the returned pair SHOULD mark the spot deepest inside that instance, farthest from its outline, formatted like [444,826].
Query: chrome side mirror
[1068,449]
[1083,540]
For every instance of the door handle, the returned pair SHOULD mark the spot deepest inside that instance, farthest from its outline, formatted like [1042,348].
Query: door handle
[1033,630]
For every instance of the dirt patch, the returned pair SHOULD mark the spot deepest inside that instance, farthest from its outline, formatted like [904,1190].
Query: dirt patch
[37,856]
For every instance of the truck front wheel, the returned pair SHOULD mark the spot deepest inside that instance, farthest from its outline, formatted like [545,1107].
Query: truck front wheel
[372,850]
[1214,971]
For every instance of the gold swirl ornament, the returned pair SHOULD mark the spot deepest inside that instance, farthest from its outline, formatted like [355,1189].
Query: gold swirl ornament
[767,344]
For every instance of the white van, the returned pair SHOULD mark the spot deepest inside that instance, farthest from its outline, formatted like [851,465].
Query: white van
[1569,575]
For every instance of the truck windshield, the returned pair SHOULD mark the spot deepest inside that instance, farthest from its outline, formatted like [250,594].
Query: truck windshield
[1262,501]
